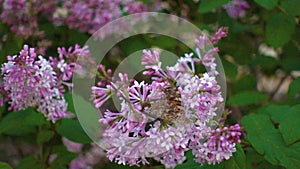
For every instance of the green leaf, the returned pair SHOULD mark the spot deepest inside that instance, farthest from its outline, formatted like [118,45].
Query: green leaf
[287,117]
[30,163]
[21,122]
[163,42]
[289,125]
[77,37]
[64,157]
[88,116]
[230,69]
[244,83]
[277,112]
[266,140]
[257,161]
[279,29]
[36,119]
[290,64]
[291,6]
[237,161]
[247,98]
[4,166]
[44,136]
[268,4]
[208,5]
[294,88]
[69,99]
[11,46]
[72,130]
[128,48]
[291,159]
[234,45]
[263,136]
[267,64]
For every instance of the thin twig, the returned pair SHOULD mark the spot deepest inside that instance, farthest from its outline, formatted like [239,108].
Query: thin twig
[278,87]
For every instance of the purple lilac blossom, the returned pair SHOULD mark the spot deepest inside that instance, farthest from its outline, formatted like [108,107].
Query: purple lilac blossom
[22,15]
[91,15]
[220,145]
[236,8]
[222,32]
[86,15]
[79,163]
[172,114]
[31,80]
[72,146]
[69,61]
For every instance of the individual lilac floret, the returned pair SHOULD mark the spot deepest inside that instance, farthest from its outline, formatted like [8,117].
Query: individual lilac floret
[31,82]
[236,8]
[221,33]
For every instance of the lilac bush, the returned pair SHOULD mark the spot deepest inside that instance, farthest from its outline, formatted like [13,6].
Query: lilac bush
[167,116]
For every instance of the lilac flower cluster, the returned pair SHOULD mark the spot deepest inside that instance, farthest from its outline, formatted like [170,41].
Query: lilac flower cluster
[22,15]
[90,15]
[236,8]
[31,80]
[172,114]
[86,15]
[219,146]
[69,61]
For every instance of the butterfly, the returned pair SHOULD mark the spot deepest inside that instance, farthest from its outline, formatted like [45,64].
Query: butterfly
[173,108]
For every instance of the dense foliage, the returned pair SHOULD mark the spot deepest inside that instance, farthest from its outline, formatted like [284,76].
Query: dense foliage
[40,42]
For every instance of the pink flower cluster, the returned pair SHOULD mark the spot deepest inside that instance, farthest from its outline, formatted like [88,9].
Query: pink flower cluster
[31,80]
[219,146]
[69,61]
[169,116]
[86,15]
[236,8]
[22,15]
[90,15]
